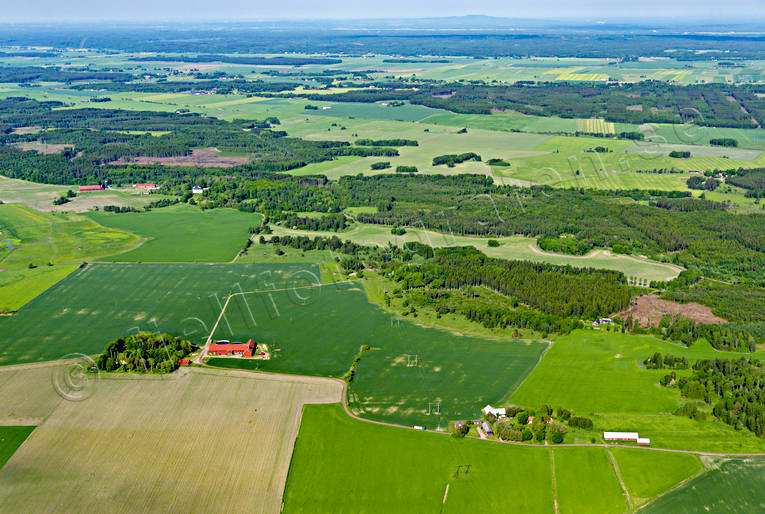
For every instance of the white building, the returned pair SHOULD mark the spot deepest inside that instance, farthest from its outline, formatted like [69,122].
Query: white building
[197,190]
[496,412]
[620,436]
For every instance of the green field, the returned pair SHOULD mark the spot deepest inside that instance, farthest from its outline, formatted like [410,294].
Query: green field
[413,376]
[37,249]
[10,440]
[648,474]
[101,302]
[513,247]
[182,233]
[344,465]
[731,487]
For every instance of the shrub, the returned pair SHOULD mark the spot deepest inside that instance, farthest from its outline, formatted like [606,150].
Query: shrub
[382,165]
[556,437]
[406,169]
[493,243]
[580,422]
[526,434]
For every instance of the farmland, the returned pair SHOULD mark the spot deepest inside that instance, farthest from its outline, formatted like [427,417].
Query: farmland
[412,374]
[728,487]
[335,469]
[10,439]
[99,303]
[38,249]
[182,233]
[180,443]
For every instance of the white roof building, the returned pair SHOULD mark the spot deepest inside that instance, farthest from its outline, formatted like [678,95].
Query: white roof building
[644,441]
[620,436]
[496,412]
[197,190]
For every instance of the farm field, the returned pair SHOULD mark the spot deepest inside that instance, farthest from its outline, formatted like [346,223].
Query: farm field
[182,442]
[639,471]
[335,469]
[591,371]
[182,233]
[412,375]
[10,439]
[101,302]
[513,247]
[731,486]
[37,249]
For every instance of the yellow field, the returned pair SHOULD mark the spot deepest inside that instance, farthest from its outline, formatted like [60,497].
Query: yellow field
[197,441]
[595,126]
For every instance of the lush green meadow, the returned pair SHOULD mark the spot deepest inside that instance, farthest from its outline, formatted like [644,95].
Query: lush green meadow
[343,465]
[513,247]
[101,302]
[37,249]
[10,440]
[182,233]
[732,486]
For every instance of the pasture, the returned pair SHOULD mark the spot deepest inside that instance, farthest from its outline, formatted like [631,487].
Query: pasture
[413,375]
[513,247]
[648,474]
[194,440]
[182,233]
[344,465]
[731,486]
[37,249]
[101,302]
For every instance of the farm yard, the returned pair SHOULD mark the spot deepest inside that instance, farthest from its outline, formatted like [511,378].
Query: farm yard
[177,443]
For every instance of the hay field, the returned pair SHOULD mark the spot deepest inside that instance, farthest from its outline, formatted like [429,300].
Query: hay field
[101,302]
[196,441]
[513,247]
[453,376]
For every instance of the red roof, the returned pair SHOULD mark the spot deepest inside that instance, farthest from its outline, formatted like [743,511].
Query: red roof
[145,185]
[232,347]
[92,188]
[184,362]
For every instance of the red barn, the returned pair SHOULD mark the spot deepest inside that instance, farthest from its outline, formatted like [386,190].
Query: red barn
[91,188]
[184,362]
[227,348]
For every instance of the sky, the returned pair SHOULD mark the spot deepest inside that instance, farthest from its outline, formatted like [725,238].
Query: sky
[241,10]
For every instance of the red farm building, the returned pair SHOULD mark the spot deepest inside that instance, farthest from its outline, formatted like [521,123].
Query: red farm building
[227,348]
[91,188]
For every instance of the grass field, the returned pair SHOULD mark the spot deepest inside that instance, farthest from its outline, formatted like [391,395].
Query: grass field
[199,440]
[103,301]
[343,465]
[413,376]
[37,249]
[182,233]
[730,487]
[514,247]
[10,440]
[648,474]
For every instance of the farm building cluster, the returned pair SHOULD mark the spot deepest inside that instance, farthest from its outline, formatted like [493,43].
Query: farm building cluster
[247,350]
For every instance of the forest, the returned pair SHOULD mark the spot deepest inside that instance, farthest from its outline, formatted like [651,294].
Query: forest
[145,352]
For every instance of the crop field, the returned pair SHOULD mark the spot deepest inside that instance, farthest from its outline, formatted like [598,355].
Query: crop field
[598,492]
[513,247]
[195,440]
[591,371]
[37,249]
[336,469]
[101,302]
[412,375]
[182,233]
[10,439]
[732,486]
[639,471]
[595,126]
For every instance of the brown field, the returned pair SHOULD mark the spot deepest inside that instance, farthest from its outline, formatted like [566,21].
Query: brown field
[197,441]
[198,157]
[26,130]
[649,309]
[42,147]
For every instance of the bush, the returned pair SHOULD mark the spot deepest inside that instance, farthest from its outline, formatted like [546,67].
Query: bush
[493,243]
[526,434]
[556,437]
[540,435]
[406,169]
[382,165]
